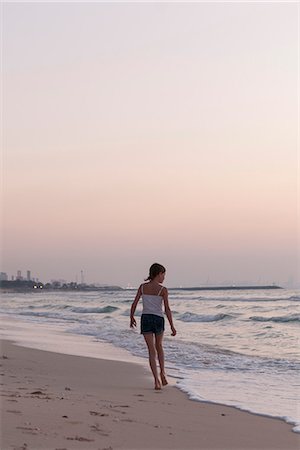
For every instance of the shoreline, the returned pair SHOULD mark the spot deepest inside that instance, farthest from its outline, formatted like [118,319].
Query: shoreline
[46,337]
[117,410]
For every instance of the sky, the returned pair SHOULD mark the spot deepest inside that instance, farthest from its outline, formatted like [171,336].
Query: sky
[136,133]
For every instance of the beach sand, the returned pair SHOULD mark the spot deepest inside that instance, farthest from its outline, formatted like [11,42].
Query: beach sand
[57,401]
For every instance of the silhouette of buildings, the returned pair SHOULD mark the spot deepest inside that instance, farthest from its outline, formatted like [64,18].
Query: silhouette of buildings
[19,275]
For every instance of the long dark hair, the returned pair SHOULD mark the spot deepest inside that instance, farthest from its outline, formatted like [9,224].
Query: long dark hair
[155,270]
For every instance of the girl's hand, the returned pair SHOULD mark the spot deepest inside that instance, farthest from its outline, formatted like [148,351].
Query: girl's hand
[132,322]
[174,332]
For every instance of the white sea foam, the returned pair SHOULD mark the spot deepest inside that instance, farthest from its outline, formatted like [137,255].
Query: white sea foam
[282,319]
[191,317]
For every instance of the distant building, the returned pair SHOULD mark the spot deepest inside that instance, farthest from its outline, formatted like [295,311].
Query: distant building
[3,276]
[28,275]
[19,275]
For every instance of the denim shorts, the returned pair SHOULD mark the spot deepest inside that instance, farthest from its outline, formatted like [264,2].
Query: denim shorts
[150,323]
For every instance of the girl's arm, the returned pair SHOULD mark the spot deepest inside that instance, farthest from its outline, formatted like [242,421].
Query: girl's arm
[168,311]
[133,307]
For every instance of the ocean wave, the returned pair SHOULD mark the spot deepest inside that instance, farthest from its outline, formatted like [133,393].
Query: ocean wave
[280,319]
[294,298]
[46,315]
[191,317]
[127,313]
[186,354]
[104,310]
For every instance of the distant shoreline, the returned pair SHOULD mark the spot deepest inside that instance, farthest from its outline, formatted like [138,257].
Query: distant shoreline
[20,289]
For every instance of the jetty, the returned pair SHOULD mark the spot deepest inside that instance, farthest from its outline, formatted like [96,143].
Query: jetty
[224,288]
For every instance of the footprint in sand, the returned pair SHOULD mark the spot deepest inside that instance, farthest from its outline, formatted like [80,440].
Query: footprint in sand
[13,411]
[99,430]
[24,447]
[15,395]
[79,438]
[95,413]
[40,394]
[29,430]
[119,406]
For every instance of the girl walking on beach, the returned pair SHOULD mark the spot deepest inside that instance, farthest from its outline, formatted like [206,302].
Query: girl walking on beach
[152,320]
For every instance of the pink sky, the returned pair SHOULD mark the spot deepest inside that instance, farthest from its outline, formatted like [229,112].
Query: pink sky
[142,132]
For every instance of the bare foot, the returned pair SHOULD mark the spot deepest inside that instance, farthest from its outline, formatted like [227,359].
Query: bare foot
[164,381]
[157,385]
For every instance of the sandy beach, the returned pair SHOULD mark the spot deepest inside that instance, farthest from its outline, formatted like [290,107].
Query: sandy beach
[57,401]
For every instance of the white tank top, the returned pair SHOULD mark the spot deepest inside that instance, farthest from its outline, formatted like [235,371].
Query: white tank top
[152,304]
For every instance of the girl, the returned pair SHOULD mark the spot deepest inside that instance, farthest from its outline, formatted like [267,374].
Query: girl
[152,320]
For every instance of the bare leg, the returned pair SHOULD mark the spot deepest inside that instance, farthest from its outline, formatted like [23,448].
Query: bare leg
[152,358]
[161,357]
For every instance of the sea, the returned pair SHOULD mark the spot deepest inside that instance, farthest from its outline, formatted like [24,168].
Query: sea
[233,347]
